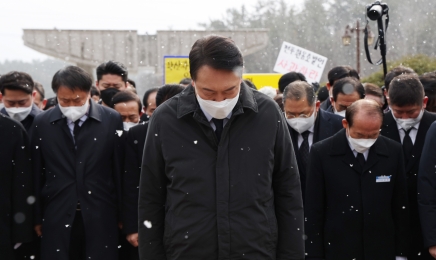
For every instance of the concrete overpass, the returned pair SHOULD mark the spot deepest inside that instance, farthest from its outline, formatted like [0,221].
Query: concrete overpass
[89,48]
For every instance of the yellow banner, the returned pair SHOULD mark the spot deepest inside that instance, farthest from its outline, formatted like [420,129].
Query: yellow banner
[261,80]
[176,69]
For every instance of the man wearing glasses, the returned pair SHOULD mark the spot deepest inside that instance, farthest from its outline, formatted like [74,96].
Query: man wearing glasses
[306,122]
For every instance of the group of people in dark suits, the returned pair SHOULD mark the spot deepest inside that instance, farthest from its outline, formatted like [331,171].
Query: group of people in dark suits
[220,171]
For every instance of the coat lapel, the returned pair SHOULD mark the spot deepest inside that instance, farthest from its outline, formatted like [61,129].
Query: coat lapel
[378,149]
[390,128]
[419,142]
[341,148]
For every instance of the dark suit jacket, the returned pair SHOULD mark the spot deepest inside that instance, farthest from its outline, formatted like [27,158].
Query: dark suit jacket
[348,214]
[426,188]
[325,104]
[16,218]
[132,170]
[326,125]
[390,130]
[28,121]
[90,173]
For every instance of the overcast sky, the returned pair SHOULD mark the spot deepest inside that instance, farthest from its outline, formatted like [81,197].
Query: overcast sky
[142,15]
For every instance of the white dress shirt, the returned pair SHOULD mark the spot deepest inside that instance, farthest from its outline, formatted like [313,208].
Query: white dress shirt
[70,123]
[412,133]
[310,138]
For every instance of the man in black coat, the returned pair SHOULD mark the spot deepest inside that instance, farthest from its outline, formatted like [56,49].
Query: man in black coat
[356,198]
[427,191]
[306,122]
[344,93]
[17,94]
[132,167]
[219,177]
[77,153]
[16,188]
[407,123]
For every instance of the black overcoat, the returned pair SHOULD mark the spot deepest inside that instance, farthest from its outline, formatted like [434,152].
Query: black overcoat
[326,125]
[135,141]
[16,187]
[349,215]
[390,130]
[90,173]
[237,199]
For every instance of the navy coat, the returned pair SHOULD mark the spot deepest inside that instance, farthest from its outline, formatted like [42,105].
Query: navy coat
[90,174]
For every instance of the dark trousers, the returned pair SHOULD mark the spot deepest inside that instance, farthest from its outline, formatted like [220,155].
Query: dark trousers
[77,241]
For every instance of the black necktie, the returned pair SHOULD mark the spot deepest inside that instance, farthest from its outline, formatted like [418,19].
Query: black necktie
[219,125]
[304,151]
[361,159]
[407,145]
[76,129]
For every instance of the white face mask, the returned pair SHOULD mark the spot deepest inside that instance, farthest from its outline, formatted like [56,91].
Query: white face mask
[128,125]
[301,124]
[408,123]
[342,113]
[360,145]
[74,113]
[18,113]
[218,110]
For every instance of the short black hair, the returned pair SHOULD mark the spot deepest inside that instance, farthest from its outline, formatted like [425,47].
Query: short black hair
[16,80]
[40,89]
[218,52]
[126,96]
[166,92]
[112,67]
[300,90]
[397,71]
[132,82]
[146,95]
[341,72]
[428,81]
[367,106]
[348,86]
[406,90]
[323,94]
[73,78]
[94,91]
[185,81]
[288,78]
[249,83]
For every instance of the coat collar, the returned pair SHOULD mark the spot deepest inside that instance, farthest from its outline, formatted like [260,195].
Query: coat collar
[340,146]
[188,104]
[94,112]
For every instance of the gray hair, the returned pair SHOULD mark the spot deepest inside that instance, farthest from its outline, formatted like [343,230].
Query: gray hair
[299,90]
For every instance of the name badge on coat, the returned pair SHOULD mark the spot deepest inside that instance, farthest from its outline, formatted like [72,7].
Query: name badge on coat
[383,179]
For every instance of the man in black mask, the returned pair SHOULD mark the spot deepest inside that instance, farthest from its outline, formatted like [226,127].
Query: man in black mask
[111,79]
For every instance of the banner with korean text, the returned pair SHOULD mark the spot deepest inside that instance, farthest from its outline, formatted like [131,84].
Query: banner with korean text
[295,58]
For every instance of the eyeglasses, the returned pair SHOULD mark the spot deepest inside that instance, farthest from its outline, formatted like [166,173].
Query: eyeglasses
[291,116]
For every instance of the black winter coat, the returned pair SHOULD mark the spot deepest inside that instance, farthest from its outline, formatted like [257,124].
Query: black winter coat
[349,215]
[237,199]
[90,174]
[427,188]
[135,141]
[16,187]
[390,130]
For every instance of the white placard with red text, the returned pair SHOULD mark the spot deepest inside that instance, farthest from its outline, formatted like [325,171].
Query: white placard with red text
[294,58]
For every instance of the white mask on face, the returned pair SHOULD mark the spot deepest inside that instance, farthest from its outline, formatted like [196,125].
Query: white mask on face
[301,124]
[128,125]
[218,110]
[342,113]
[74,113]
[18,113]
[408,123]
[360,145]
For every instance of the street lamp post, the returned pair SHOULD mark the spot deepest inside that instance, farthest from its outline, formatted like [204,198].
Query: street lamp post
[346,40]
